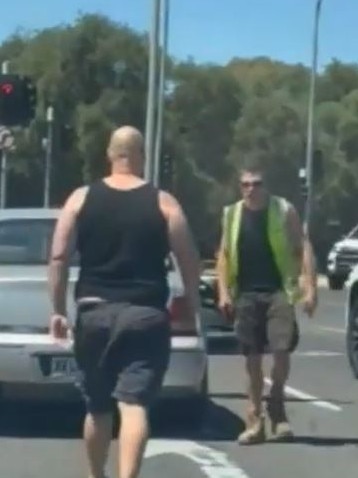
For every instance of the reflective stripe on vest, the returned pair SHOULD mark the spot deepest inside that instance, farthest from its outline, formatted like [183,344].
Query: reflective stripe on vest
[278,239]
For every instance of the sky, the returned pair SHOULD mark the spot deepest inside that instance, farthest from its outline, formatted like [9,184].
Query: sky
[214,31]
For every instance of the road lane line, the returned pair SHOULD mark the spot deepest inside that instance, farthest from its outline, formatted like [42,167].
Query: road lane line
[318,353]
[294,392]
[212,463]
[331,329]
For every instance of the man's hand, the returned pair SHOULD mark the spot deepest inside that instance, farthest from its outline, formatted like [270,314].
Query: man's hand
[309,301]
[226,307]
[59,327]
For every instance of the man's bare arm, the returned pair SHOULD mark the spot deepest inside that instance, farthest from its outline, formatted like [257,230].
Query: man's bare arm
[221,268]
[309,268]
[183,247]
[60,251]
[302,248]
[295,233]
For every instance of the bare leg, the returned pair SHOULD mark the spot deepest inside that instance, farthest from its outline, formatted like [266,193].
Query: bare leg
[255,431]
[276,406]
[254,382]
[97,435]
[280,371]
[133,436]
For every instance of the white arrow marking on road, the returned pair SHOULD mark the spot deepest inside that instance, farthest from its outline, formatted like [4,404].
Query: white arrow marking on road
[213,463]
[307,397]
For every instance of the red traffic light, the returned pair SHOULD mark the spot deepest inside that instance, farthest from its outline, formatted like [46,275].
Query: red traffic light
[6,88]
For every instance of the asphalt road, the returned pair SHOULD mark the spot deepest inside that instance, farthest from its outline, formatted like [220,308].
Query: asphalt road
[322,405]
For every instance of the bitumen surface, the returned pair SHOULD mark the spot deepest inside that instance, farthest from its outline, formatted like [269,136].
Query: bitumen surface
[322,404]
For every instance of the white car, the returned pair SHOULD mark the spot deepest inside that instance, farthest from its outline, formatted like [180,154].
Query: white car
[342,257]
[351,320]
[32,365]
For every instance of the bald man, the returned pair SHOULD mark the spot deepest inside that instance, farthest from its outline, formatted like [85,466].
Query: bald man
[125,229]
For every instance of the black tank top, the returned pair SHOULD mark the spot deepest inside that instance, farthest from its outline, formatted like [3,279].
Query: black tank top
[258,269]
[122,242]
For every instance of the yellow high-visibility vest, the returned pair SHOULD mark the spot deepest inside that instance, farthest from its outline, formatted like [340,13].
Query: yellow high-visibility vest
[287,264]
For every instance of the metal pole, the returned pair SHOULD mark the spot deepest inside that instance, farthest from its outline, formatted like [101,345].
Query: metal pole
[310,120]
[48,161]
[4,71]
[152,83]
[161,95]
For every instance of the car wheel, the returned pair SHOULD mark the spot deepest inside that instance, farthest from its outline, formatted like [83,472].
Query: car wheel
[335,283]
[352,338]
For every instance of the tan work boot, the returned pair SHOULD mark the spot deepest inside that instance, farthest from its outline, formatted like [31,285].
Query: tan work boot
[280,426]
[255,430]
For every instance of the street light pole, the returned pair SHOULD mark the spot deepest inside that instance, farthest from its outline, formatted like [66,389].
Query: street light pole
[48,161]
[310,120]
[3,185]
[152,90]
[161,95]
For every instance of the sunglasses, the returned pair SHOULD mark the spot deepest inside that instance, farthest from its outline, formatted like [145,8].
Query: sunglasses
[254,184]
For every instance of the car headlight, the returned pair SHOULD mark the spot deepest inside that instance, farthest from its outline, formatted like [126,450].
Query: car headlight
[332,255]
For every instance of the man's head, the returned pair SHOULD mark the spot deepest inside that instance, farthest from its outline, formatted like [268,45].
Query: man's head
[253,187]
[126,150]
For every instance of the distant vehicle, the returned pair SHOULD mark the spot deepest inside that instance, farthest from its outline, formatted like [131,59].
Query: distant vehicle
[32,365]
[351,320]
[341,259]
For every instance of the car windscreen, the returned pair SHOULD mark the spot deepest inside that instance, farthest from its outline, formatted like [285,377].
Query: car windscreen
[354,233]
[27,241]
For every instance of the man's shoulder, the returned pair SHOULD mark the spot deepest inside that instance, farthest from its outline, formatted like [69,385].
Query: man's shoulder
[169,205]
[284,204]
[77,198]
[167,199]
[80,193]
[232,205]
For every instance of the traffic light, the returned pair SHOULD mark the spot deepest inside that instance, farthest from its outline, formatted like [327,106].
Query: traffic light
[303,182]
[166,173]
[17,100]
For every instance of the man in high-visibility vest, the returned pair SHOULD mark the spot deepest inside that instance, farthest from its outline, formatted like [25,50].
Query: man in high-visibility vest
[265,266]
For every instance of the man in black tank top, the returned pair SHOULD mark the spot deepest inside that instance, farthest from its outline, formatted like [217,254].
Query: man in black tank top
[125,230]
[264,314]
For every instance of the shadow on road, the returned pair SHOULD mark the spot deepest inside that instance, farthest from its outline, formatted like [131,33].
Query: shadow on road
[220,424]
[318,441]
[65,422]
[225,345]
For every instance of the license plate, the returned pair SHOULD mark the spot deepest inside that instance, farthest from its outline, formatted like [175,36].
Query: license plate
[63,366]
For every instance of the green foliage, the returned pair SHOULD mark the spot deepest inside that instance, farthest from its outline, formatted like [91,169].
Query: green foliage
[94,73]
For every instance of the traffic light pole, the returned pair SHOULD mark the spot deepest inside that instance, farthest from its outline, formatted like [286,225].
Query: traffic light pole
[161,94]
[310,122]
[150,126]
[3,179]
[48,161]
[3,184]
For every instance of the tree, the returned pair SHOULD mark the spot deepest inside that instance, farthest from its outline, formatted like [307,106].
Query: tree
[94,73]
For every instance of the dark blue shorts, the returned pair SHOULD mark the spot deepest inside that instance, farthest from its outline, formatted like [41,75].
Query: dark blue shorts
[122,353]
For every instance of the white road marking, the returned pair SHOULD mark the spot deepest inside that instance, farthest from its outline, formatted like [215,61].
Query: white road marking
[322,282]
[30,279]
[212,463]
[318,353]
[331,329]
[294,392]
